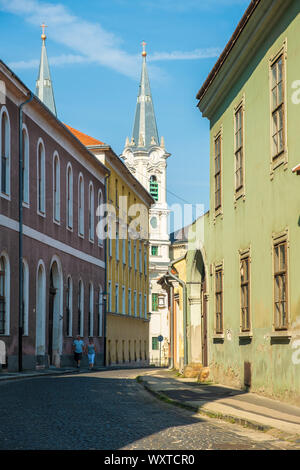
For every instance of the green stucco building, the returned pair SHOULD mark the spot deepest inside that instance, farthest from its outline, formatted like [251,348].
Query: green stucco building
[251,247]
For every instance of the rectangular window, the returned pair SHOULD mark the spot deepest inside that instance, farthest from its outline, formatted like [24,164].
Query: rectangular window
[140,259]
[245,294]
[280,285]
[140,305]
[219,301]
[135,303]
[238,143]
[277,105]
[155,343]
[117,242]
[129,301]
[155,302]
[129,252]
[217,177]
[145,305]
[123,301]
[124,250]
[116,298]
[154,250]
[145,260]
[109,296]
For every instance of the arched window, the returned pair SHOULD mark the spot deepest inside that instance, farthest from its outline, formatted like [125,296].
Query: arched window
[80,308]
[41,178]
[100,213]
[91,309]
[91,212]
[25,303]
[81,206]
[69,197]
[5,153]
[69,304]
[56,188]
[154,187]
[25,169]
[4,295]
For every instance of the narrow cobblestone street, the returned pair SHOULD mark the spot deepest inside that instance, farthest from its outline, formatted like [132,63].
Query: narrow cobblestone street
[108,410]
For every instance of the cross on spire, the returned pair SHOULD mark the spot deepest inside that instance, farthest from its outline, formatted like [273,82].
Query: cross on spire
[144,53]
[43,26]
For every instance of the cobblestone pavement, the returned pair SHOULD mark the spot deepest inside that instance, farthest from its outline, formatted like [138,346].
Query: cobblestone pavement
[108,410]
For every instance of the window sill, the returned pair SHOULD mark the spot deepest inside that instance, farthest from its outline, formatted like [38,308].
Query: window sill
[56,222]
[245,334]
[5,196]
[281,334]
[218,213]
[239,195]
[218,336]
[26,205]
[41,214]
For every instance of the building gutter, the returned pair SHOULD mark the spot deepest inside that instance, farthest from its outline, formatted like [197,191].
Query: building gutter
[21,280]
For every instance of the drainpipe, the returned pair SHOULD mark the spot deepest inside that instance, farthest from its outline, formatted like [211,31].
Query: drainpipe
[183,285]
[172,325]
[20,335]
[105,294]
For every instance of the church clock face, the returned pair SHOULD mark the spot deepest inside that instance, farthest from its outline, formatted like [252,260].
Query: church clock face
[153,222]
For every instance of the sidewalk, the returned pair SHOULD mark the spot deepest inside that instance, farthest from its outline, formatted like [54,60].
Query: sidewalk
[248,409]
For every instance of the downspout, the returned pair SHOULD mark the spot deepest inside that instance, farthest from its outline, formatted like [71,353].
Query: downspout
[184,291]
[105,282]
[172,325]
[21,313]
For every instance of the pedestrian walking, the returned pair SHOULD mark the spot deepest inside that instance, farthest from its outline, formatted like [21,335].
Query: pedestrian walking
[78,349]
[91,350]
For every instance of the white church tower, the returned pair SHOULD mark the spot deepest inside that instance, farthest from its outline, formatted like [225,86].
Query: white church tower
[146,157]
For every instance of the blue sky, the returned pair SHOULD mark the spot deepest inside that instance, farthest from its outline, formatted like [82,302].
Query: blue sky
[94,49]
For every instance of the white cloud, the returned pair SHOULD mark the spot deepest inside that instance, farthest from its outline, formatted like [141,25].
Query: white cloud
[183,55]
[89,41]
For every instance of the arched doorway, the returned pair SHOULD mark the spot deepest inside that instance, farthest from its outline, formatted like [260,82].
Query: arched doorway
[55,314]
[197,300]
[40,340]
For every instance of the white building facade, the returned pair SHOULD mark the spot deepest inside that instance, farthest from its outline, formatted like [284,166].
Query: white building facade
[146,157]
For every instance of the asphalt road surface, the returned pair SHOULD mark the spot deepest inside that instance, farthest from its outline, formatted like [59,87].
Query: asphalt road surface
[108,410]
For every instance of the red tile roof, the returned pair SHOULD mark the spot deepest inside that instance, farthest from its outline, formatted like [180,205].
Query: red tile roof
[84,138]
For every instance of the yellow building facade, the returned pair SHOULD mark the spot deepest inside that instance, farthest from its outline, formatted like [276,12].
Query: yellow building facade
[124,212]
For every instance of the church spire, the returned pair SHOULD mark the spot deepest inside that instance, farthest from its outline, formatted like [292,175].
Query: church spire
[44,90]
[145,129]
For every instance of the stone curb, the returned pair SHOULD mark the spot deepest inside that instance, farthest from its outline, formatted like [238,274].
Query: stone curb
[47,373]
[275,432]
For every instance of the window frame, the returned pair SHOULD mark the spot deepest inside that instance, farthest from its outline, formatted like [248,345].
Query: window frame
[278,274]
[80,205]
[26,166]
[5,194]
[280,157]
[219,300]
[245,284]
[56,188]
[41,179]
[218,174]
[91,213]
